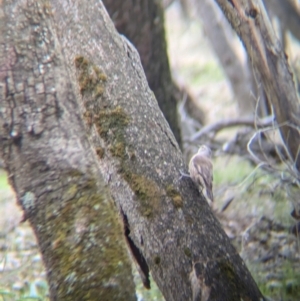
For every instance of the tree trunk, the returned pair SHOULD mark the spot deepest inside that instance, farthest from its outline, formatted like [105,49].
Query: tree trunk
[220,36]
[51,164]
[142,22]
[51,101]
[251,23]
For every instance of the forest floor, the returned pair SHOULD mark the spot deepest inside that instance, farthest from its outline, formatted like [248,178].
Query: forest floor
[257,221]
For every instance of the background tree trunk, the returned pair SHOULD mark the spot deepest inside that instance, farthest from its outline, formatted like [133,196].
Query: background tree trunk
[142,22]
[53,167]
[251,23]
[221,39]
[287,13]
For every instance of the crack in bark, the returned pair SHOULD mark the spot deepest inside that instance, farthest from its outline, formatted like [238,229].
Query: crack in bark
[138,257]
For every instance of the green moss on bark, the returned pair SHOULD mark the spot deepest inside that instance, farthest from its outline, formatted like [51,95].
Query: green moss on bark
[86,225]
[147,191]
[100,152]
[157,260]
[111,124]
[187,252]
[90,78]
[175,196]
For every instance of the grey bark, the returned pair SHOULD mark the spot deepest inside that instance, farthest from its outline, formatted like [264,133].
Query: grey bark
[51,164]
[250,21]
[67,75]
[142,22]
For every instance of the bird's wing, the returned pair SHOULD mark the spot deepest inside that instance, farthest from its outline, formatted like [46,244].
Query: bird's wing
[204,168]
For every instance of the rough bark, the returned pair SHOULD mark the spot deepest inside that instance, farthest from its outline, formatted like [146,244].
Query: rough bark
[250,21]
[142,22]
[51,165]
[98,80]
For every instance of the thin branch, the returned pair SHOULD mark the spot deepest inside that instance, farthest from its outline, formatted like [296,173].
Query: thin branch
[223,124]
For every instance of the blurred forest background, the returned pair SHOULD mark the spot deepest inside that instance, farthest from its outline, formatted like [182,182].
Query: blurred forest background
[221,104]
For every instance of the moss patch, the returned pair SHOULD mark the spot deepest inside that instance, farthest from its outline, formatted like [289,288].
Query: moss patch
[175,196]
[90,78]
[85,219]
[226,268]
[91,82]
[110,124]
[112,121]
[157,260]
[147,191]
[100,152]
[118,149]
[187,252]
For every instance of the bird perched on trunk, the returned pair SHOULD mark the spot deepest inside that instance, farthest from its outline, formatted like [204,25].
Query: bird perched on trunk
[201,170]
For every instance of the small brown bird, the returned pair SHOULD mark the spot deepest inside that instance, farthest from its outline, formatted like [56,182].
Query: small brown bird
[201,170]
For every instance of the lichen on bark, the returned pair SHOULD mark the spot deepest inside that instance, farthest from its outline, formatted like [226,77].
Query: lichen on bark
[85,224]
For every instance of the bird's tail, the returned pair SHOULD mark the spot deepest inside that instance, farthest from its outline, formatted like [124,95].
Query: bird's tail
[209,194]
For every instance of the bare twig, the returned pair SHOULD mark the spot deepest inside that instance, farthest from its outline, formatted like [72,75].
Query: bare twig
[220,125]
